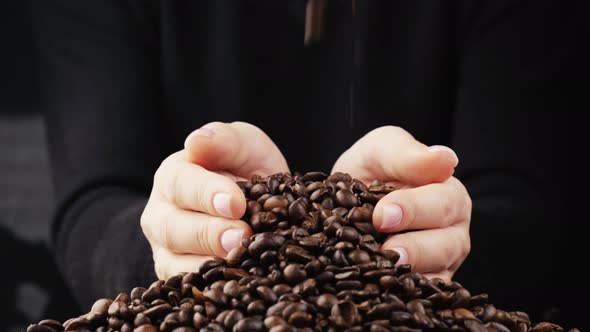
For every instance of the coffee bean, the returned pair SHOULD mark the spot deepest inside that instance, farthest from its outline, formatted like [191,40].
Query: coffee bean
[314,263]
[258,190]
[53,324]
[184,329]
[78,324]
[358,257]
[348,234]
[344,314]
[39,328]
[146,328]
[346,198]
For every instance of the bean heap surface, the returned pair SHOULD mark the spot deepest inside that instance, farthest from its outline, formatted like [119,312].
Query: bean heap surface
[314,263]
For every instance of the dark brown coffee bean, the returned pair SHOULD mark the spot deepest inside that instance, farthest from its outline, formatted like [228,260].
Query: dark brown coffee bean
[314,176]
[348,234]
[345,246]
[359,214]
[461,298]
[401,317]
[318,195]
[101,306]
[52,324]
[249,325]
[266,294]
[339,258]
[198,320]
[294,273]
[358,257]
[264,221]
[497,327]
[211,264]
[346,198]
[463,314]
[325,302]
[232,288]
[379,311]
[344,314]
[184,329]
[146,328]
[256,307]
[78,324]
[258,190]
[423,320]
[258,247]
[282,328]
[297,210]
[298,254]
[141,319]
[300,319]
[216,296]
[158,311]
[39,328]
[273,202]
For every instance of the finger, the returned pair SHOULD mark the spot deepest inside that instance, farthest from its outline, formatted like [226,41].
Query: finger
[392,154]
[433,250]
[192,187]
[168,264]
[239,147]
[430,206]
[186,232]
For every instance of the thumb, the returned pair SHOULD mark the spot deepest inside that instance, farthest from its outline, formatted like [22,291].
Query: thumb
[238,147]
[391,154]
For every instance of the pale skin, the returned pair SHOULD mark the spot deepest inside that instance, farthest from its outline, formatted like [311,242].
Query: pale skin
[195,206]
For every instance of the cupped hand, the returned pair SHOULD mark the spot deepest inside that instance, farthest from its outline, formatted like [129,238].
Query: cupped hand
[195,205]
[429,213]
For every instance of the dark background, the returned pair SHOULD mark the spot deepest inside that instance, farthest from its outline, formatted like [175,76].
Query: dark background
[34,288]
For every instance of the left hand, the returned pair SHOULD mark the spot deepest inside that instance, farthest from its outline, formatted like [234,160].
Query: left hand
[429,201]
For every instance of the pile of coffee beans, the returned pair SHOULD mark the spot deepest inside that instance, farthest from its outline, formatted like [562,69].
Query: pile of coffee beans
[313,264]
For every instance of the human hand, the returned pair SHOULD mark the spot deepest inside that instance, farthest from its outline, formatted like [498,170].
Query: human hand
[195,205]
[430,212]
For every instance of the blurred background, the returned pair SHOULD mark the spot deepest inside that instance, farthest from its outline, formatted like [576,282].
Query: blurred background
[33,289]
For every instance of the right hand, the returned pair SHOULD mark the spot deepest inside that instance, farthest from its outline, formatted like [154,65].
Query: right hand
[195,205]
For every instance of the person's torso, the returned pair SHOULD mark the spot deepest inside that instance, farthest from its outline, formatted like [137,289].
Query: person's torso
[391,63]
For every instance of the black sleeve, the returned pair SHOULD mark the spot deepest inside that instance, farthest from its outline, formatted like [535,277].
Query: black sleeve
[520,72]
[99,79]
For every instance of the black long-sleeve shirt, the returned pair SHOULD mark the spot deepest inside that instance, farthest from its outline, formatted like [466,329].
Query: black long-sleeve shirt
[124,82]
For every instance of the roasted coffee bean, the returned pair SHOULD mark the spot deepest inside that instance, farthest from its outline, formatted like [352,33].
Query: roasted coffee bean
[40,328]
[346,198]
[314,263]
[146,328]
[258,190]
[294,273]
[358,257]
[249,325]
[52,324]
[348,234]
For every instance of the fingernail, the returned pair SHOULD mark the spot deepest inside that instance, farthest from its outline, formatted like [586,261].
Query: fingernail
[438,148]
[403,255]
[221,203]
[231,238]
[203,132]
[391,217]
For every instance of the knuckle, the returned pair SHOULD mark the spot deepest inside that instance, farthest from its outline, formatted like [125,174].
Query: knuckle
[203,197]
[159,266]
[203,237]
[418,253]
[164,229]
[463,241]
